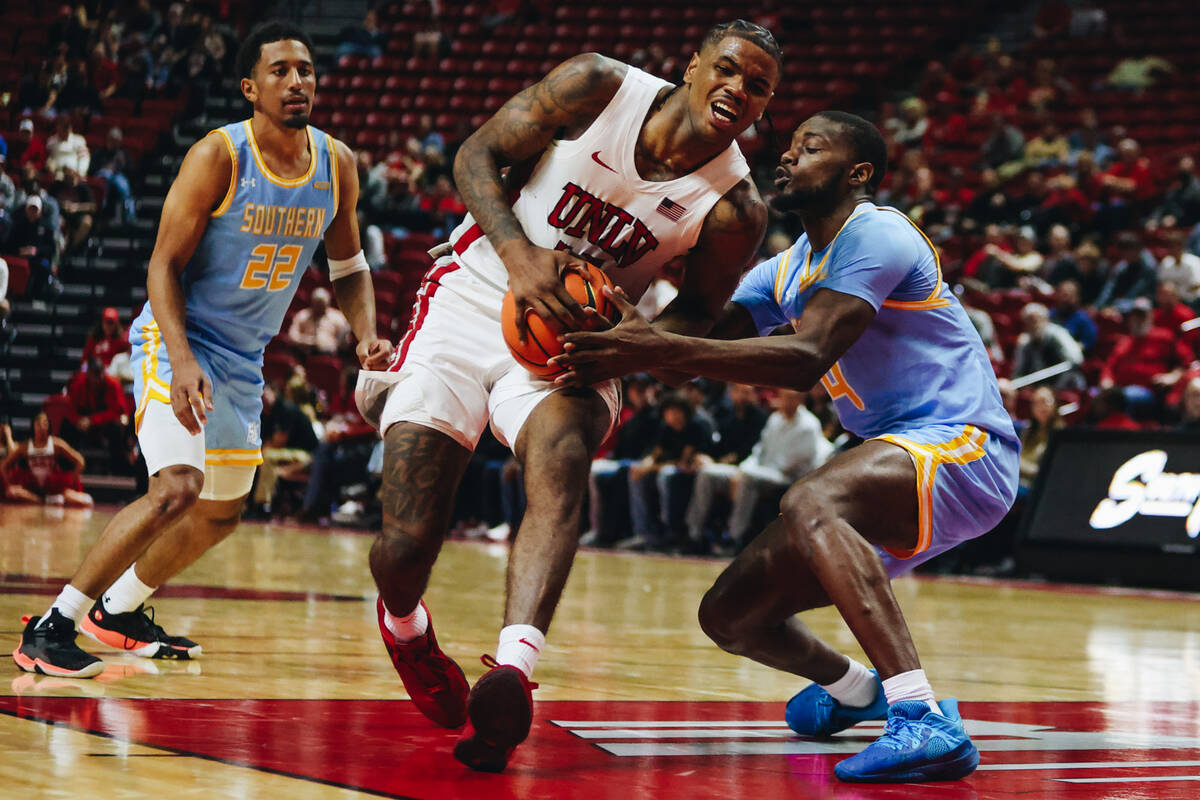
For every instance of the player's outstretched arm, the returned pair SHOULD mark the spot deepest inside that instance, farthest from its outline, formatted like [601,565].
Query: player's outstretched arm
[560,105]
[831,323]
[353,287]
[13,454]
[204,180]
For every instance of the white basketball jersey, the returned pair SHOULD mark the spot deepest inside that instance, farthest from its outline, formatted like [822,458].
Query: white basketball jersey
[41,460]
[585,195]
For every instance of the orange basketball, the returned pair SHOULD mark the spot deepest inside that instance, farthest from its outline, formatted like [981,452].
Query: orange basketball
[541,342]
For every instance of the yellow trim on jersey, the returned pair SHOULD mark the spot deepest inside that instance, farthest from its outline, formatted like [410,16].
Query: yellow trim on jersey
[232,462]
[233,178]
[333,170]
[272,177]
[783,265]
[808,275]
[962,449]
[153,387]
[934,300]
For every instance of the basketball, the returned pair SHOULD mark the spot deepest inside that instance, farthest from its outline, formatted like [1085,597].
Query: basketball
[541,343]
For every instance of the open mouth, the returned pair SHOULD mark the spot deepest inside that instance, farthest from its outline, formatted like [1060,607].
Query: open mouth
[782,177]
[724,112]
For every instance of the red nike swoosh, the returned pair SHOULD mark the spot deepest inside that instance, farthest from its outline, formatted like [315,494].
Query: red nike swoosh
[596,158]
[523,640]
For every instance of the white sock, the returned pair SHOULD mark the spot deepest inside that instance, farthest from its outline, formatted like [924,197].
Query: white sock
[911,685]
[520,646]
[855,689]
[407,628]
[127,593]
[71,603]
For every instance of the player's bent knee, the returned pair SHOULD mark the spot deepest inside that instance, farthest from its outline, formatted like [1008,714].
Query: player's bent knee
[808,514]
[401,549]
[176,491]
[717,623]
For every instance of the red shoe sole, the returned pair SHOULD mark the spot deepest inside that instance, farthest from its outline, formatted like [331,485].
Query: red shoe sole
[501,714]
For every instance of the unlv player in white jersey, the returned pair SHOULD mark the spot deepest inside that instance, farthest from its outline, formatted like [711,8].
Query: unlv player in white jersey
[607,164]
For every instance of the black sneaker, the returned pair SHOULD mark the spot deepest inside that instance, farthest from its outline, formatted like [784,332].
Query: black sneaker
[51,649]
[135,632]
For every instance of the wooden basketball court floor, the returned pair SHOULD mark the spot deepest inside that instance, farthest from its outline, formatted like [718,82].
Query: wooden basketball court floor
[1068,692]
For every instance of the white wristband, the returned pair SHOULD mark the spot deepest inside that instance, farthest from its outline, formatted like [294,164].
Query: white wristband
[341,267]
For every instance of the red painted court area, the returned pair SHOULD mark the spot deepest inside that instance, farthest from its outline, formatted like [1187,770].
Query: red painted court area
[1083,751]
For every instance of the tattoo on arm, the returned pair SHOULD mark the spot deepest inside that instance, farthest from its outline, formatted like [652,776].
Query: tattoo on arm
[575,91]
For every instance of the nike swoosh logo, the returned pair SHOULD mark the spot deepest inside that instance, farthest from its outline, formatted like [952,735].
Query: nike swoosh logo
[523,640]
[596,158]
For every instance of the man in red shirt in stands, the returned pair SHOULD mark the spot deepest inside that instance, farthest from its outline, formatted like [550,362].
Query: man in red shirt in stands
[1146,361]
[98,412]
[107,340]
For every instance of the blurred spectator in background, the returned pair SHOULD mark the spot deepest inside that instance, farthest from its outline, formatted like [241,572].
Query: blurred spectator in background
[320,328]
[608,483]
[1132,277]
[1139,73]
[44,469]
[790,445]
[77,205]
[1089,138]
[1092,275]
[909,128]
[288,440]
[1189,417]
[341,458]
[1180,268]
[1127,185]
[6,333]
[1048,149]
[1044,344]
[27,148]
[108,342]
[1146,360]
[66,150]
[1180,206]
[71,28]
[1004,149]
[676,446]
[1012,269]
[432,140]
[1170,312]
[1069,314]
[105,71]
[1108,411]
[1059,264]
[33,239]
[442,205]
[194,75]
[97,413]
[111,162]
[78,95]
[38,90]
[1044,419]
[367,39]
[739,423]
[983,263]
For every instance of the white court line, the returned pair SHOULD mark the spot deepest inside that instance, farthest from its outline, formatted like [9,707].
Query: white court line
[1156,778]
[1092,765]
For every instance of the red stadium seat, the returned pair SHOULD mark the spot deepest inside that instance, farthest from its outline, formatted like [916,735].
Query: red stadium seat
[324,373]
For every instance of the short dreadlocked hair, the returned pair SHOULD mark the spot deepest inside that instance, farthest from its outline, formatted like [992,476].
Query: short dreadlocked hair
[749,31]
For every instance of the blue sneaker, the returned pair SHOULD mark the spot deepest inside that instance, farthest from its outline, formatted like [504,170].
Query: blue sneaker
[814,712]
[917,746]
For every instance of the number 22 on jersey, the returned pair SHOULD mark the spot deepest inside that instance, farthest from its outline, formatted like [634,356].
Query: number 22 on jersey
[271,267]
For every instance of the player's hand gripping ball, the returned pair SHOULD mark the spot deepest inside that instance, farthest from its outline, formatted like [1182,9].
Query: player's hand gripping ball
[541,344]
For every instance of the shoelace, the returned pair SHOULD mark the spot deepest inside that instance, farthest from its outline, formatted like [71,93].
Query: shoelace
[145,616]
[898,734]
[428,665]
[490,662]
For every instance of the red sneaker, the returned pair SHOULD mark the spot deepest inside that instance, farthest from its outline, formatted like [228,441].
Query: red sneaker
[435,683]
[501,712]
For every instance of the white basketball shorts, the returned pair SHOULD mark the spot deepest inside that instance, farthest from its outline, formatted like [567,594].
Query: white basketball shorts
[452,371]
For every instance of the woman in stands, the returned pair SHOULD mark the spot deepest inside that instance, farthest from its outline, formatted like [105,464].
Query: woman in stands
[33,471]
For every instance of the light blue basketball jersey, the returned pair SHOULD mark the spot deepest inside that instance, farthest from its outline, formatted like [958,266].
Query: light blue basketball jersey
[920,362]
[258,243]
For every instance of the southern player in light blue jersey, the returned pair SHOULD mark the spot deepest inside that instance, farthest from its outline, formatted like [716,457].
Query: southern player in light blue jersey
[873,321]
[251,203]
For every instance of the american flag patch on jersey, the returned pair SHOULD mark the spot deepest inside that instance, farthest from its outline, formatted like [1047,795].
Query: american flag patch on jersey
[670,209]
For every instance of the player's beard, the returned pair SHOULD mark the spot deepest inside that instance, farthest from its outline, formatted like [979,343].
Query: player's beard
[297,121]
[816,198]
